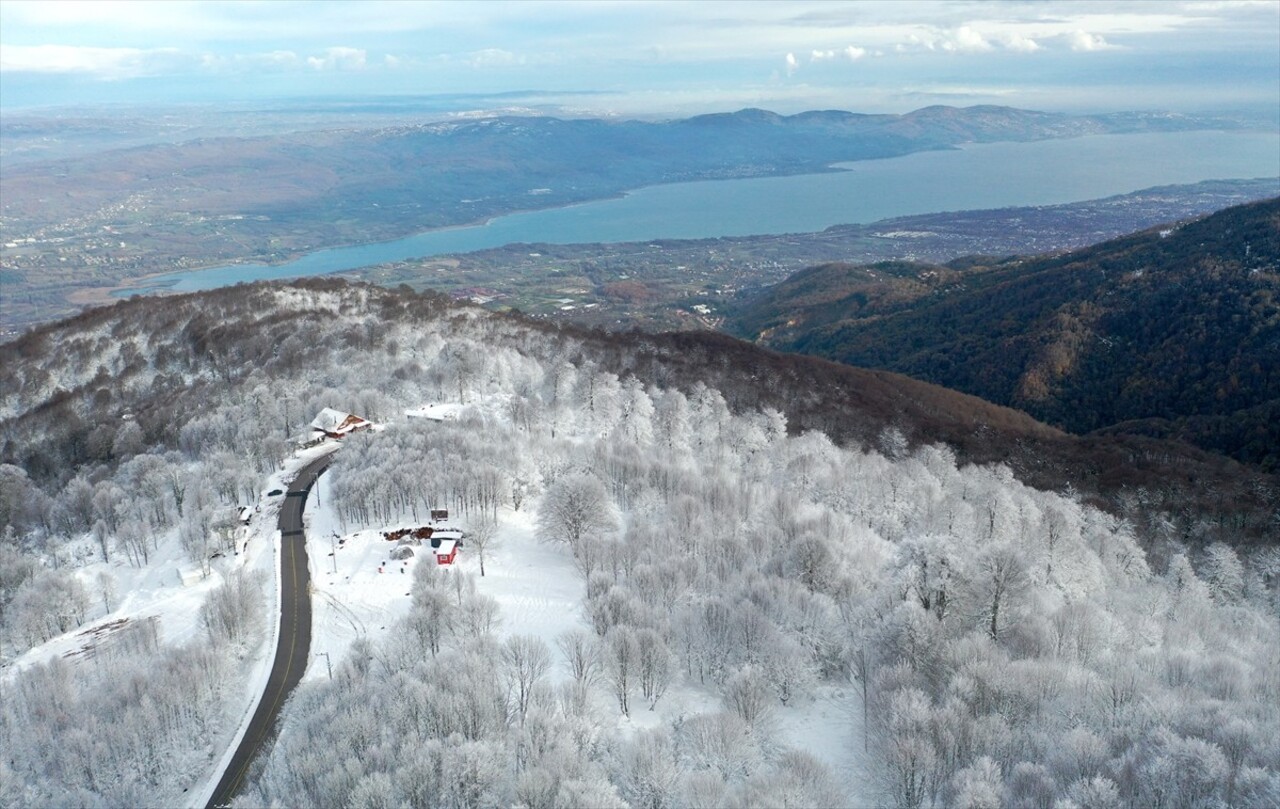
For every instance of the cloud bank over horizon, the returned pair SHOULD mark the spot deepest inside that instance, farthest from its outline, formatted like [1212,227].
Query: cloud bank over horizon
[650,57]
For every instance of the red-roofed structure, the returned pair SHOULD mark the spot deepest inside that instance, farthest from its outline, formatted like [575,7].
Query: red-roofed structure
[336,424]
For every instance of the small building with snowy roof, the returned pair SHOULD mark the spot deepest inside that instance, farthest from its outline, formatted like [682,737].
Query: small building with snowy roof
[445,544]
[336,424]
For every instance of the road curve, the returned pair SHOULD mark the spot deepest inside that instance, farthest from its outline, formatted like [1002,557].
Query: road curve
[294,645]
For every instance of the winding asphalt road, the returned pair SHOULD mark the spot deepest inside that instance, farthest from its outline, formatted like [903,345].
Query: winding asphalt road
[294,645]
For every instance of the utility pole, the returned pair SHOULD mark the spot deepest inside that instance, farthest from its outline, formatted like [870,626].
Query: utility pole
[327,662]
[334,554]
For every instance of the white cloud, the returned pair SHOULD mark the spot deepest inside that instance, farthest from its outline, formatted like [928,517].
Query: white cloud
[913,42]
[271,61]
[1085,41]
[106,63]
[339,58]
[278,57]
[193,24]
[131,63]
[1019,43]
[965,40]
[555,44]
[852,53]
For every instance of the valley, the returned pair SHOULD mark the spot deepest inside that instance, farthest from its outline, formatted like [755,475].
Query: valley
[96,220]
[695,283]
[822,459]
[1170,332]
[640,405]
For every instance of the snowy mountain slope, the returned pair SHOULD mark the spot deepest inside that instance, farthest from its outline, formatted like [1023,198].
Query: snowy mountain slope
[539,594]
[743,574]
[228,341]
[1171,331]
[147,616]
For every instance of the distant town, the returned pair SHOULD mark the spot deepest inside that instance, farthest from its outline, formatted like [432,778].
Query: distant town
[686,284]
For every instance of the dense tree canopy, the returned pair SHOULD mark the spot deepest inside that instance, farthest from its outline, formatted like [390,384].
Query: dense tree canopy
[1004,642]
[1170,332]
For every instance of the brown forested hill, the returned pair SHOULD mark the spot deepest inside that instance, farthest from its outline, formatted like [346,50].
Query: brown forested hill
[1171,332]
[66,387]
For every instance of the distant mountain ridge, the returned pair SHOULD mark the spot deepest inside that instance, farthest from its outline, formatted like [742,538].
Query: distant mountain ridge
[953,125]
[581,157]
[1172,332]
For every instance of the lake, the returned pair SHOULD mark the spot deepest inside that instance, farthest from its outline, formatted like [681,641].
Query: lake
[995,175]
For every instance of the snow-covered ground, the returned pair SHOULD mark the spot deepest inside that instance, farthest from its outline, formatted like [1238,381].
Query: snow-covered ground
[170,590]
[437,411]
[358,590]
[361,591]
[152,592]
[261,553]
[828,726]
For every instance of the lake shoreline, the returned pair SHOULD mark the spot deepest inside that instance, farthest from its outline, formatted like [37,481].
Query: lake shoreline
[147,286]
[1045,172]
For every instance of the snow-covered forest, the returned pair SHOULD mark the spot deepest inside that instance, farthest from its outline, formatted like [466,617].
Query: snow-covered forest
[998,645]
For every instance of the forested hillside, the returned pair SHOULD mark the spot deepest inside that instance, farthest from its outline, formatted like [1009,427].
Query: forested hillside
[1173,332]
[151,360]
[751,537]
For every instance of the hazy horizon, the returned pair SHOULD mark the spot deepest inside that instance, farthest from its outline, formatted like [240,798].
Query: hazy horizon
[646,59]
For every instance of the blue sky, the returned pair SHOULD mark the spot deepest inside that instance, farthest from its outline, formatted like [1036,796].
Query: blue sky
[647,58]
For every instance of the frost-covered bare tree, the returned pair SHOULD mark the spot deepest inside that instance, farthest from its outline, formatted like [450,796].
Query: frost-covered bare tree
[110,734]
[482,533]
[621,659]
[647,771]
[195,534]
[581,655]
[998,582]
[234,609]
[526,659]
[747,694]
[653,665]
[46,605]
[574,508]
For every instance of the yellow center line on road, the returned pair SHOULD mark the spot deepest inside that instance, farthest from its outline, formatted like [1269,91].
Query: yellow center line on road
[300,601]
[293,642]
